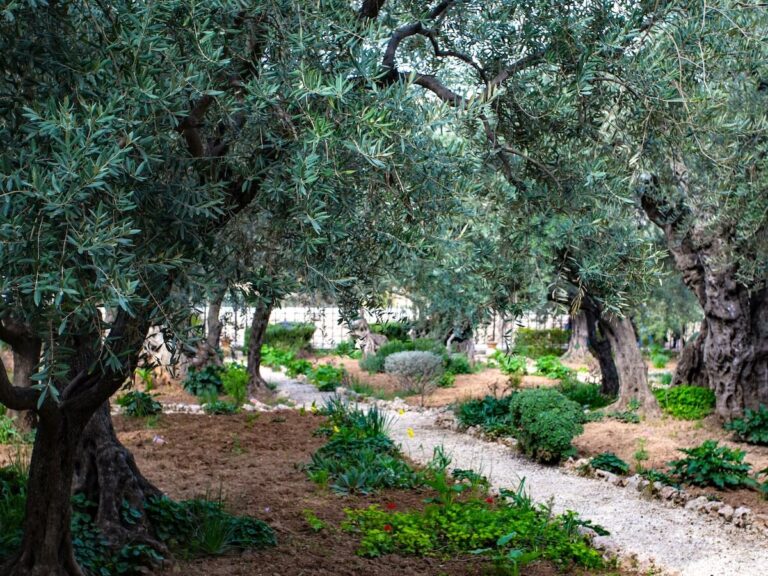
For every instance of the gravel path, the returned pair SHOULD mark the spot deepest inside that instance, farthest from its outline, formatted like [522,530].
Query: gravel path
[677,541]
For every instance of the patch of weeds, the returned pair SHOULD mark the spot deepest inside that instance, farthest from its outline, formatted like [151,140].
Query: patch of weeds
[326,377]
[609,462]
[204,382]
[446,380]
[641,455]
[139,404]
[314,523]
[752,427]
[220,407]
[9,434]
[551,367]
[586,395]
[686,402]
[509,364]
[710,464]
[234,381]
[489,413]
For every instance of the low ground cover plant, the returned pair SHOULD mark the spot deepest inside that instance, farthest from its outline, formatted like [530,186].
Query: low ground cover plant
[347,348]
[359,458]
[139,404]
[752,428]
[609,462]
[545,423]
[509,364]
[234,381]
[551,367]
[326,377]
[491,414]
[204,382]
[710,464]
[584,394]
[686,402]
[220,407]
[465,518]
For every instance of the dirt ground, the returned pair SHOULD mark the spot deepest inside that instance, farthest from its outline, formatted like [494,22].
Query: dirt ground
[255,461]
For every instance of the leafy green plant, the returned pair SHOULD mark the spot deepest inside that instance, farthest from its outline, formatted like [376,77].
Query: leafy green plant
[508,528]
[9,434]
[326,377]
[641,455]
[609,462]
[686,402]
[490,413]
[752,428]
[392,330]
[659,360]
[313,521]
[347,348]
[234,381]
[546,422]
[458,364]
[446,380]
[586,395]
[665,378]
[139,404]
[626,416]
[710,464]
[509,364]
[293,336]
[146,377]
[204,382]
[219,407]
[551,367]
[375,362]
[298,366]
[276,357]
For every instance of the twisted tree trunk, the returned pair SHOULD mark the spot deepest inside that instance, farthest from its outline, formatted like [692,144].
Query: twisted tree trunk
[259,325]
[208,348]
[731,354]
[601,349]
[690,367]
[578,344]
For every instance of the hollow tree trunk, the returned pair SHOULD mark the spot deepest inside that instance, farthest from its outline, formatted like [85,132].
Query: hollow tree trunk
[690,367]
[734,349]
[106,473]
[259,325]
[578,345]
[46,548]
[630,366]
[601,349]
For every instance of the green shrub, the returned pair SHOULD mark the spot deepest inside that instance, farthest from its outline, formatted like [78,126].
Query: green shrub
[490,413]
[546,423]
[514,364]
[509,529]
[447,380]
[609,462]
[293,336]
[234,381]
[627,416]
[139,404]
[219,407]
[326,377]
[430,345]
[585,395]
[659,360]
[536,343]
[713,465]
[686,402]
[359,457]
[276,357]
[298,366]
[347,348]
[665,378]
[551,367]
[392,330]
[458,364]
[204,382]
[752,428]
[418,372]
[375,363]
[9,434]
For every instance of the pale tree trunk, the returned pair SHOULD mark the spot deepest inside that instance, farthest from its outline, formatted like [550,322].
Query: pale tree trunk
[630,366]
[26,357]
[208,348]
[258,329]
[731,354]
[578,345]
[690,367]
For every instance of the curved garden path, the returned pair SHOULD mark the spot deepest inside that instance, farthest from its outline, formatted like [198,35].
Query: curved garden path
[675,540]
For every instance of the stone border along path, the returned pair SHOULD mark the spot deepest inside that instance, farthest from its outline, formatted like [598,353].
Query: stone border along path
[662,539]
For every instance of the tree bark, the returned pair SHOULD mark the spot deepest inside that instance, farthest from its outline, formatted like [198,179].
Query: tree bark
[208,348]
[690,367]
[734,347]
[630,366]
[578,345]
[26,356]
[46,548]
[601,349]
[106,473]
[259,325]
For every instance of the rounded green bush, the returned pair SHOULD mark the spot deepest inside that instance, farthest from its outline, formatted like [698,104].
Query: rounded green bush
[686,402]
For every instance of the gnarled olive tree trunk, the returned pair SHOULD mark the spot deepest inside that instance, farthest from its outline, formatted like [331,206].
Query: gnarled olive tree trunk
[258,329]
[208,348]
[731,354]
[578,343]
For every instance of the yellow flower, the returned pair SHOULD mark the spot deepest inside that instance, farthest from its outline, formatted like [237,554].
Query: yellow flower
[401,411]
[313,408]
[411,433]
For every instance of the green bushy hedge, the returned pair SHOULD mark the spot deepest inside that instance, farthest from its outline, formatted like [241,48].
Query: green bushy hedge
[686,402]
[536,343]
[546,423]
[392,330]
[294,336]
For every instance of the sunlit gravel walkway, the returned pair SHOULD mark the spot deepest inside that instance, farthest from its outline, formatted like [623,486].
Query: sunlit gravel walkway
[675,540]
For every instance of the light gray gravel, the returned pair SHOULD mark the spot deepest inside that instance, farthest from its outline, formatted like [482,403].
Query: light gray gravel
[676,541]
[679,541]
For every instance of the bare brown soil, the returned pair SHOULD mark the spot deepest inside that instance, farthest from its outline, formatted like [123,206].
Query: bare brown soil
[255,463]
